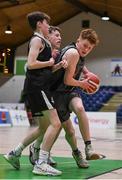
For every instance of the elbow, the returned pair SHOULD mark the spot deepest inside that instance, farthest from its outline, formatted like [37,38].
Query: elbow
[30,66]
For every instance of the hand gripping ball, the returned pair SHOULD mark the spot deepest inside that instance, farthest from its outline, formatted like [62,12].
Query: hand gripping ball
[95,82]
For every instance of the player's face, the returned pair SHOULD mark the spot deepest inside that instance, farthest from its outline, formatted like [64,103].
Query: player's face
[84,47]
[44,27]
[55,39]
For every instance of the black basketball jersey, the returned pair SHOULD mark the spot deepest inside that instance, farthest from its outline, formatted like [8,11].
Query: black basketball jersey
[44,55]
[36,79]
[58,82]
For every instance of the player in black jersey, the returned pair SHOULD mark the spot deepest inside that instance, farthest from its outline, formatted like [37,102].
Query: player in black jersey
[66,98]
[36,88]
[55,39]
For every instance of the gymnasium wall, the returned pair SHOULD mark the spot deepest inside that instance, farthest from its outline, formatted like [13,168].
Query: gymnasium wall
[19,67]
[10,92]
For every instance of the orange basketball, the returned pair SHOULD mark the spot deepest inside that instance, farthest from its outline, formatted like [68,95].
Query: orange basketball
[95,82]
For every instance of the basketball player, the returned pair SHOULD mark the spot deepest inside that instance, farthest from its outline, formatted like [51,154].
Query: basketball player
[66,98]
[39,63]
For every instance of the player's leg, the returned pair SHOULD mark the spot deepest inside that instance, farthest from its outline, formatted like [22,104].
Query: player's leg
[46,106]
[35,147]
[14,156]
[71,139]
[35,102]
[41,167]
[61,103]
[77,107]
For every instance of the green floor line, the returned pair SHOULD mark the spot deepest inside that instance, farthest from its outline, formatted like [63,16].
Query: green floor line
[66,165]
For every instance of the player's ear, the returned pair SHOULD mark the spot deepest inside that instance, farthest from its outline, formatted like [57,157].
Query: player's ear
[39,23]
[78,40]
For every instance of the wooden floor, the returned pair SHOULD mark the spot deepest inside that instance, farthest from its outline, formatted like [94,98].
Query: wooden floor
[107,141]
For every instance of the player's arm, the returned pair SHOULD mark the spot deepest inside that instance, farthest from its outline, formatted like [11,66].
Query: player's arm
[72,58]
[61,64]
[35,47]
[85,70]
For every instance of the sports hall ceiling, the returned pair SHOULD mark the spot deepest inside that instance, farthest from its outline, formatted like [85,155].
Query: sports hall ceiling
[13,13]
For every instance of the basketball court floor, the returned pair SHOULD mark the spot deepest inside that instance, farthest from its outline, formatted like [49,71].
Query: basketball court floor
[105,141]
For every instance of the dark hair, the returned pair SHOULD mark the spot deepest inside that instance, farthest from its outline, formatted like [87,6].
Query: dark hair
[54,28]
[90,35]
[36,16]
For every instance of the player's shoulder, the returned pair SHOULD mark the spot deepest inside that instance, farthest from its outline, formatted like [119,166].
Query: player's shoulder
[72,51]
[36,42]
[36,39]
[72,56]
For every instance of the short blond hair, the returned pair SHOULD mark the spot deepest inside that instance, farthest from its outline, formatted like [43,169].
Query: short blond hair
[54,28]
[90,35]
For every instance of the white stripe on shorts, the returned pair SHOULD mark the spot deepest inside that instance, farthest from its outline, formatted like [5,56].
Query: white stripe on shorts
[49,105]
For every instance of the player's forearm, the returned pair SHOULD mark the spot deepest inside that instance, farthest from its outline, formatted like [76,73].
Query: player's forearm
[72,82]
[56,67]
[38,64]
[85,70]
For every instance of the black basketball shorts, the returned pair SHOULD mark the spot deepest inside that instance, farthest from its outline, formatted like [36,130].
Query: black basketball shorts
[39,101]
[62,101]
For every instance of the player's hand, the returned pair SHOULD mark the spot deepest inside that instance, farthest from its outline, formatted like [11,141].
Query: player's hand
[88,75]
[84,84]
[64,64]
[51,62]
[55,53]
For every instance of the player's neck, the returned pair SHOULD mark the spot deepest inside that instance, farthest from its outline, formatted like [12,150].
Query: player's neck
[78,49]
[39,33]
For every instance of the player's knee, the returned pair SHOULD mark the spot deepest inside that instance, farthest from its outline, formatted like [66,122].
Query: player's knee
[70,132]
[79,109]
[57,125]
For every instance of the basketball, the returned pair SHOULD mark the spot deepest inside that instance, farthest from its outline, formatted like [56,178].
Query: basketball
[94,80]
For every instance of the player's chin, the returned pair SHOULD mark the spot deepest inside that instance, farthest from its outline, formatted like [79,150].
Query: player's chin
[83,54]
[58,46]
